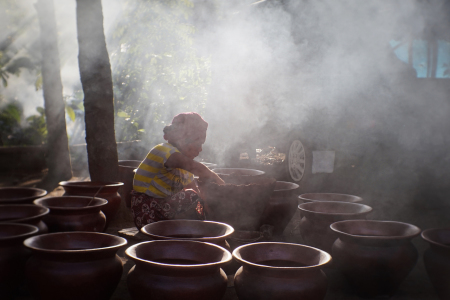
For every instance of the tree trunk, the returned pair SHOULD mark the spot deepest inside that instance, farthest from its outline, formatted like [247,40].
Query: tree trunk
[96,79]
[58,159]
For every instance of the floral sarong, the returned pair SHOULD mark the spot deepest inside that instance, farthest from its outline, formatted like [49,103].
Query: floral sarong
[183,205]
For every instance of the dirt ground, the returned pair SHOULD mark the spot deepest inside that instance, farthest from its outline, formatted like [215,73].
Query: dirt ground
[415,287]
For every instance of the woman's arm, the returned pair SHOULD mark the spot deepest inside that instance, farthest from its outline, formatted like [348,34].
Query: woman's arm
[180,161]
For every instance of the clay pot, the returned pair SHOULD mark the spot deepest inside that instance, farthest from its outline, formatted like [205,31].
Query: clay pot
[280,271]
[281,207]
[176,269]
[313,197]
[105,190]
[13,256]
[126,175]
[318,216]
[239,205]
[240,175]
[437,260]
[24,214]
[71,213]
[20,195]
[374,256]
[194,230]
[73,265]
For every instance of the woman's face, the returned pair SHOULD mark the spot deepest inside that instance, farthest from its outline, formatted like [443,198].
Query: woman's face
[192,149]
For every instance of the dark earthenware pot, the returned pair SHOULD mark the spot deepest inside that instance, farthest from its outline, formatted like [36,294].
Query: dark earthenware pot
[313,197]
[126,175]
[240,175]
[318,216]
[176,269]
[239,205]
[281,207]
[105,190]
[13,256]
[71,213]
[374,256]
[281,271]
[20,195]
[194,230]
[24,214]
[437,260]
[74,265]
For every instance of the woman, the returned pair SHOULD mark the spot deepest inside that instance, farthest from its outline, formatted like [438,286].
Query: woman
[163,186]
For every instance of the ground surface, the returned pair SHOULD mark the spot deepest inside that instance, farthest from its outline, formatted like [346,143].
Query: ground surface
[415,287]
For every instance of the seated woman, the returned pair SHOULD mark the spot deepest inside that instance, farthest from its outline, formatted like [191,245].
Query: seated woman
[163,186]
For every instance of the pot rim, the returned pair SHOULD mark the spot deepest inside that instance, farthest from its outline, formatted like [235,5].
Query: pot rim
[367,207]
[426,237]
[33,230]
[131,253]
[302,197]
[282,190]
[90,184]
[202,239]
[416,229]
[41,193]
[240,259]
[40,215]
[30,240]
[40,203]
[238,169]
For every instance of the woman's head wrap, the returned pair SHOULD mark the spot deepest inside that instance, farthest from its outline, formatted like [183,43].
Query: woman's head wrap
[188,126]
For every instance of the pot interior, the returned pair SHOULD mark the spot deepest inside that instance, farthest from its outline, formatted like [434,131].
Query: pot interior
[8,231]
[74,241]
[178,252]
[17,194]
[19,212]
[437,235]
[329,197]
[329,207]
[187,229]
[70,202]
[281,255]
[376,228]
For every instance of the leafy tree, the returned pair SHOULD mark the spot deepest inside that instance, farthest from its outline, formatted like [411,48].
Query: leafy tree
[156,69]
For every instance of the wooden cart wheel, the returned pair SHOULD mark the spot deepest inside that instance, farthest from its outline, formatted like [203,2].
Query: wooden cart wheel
[296,160]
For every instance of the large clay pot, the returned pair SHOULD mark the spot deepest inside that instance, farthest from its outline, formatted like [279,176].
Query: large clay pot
[74,213]
[176,269]
[194,230]
[374,256]
[73,265]
[239,205]
[281,207]
[126,175]
[437,260]
[20,195]
[281,271]
[24,214]
[318,216]
[13,256]
[105,190]
[240,175]
[313,197]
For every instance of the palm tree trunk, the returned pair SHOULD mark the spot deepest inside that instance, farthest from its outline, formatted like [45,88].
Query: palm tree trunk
[58,159]
[96,79]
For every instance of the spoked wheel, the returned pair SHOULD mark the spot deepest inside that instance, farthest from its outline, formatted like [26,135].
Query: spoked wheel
[296,160]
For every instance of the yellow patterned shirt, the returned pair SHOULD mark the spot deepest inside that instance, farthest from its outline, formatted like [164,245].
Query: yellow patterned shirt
[154,179]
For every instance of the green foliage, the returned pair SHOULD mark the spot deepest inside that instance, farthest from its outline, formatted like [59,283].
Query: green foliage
[156,70]
[14,133]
